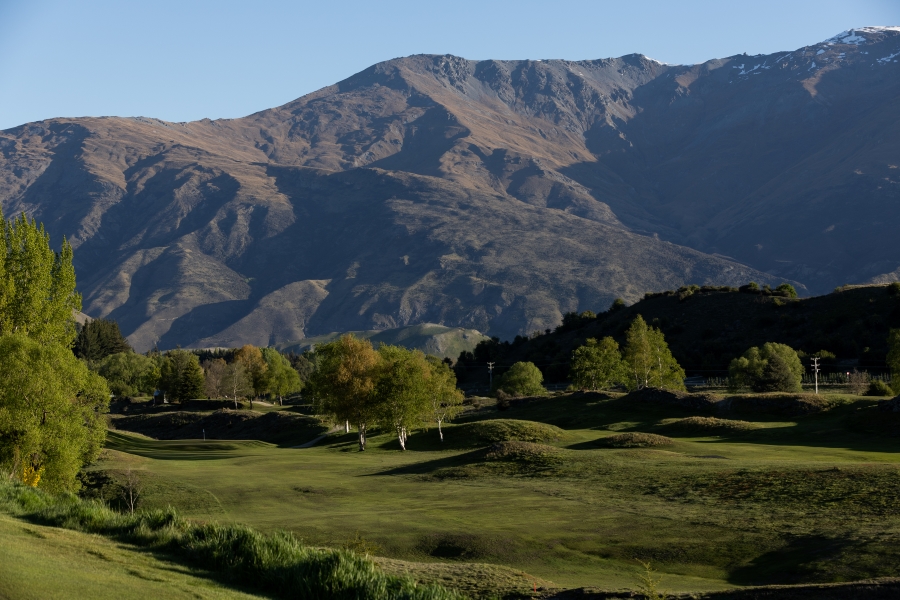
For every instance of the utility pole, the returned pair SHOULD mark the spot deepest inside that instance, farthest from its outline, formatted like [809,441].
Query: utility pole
[815,360]
[491,374]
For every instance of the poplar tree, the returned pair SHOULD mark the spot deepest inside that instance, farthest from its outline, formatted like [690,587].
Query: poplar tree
[37,285]
[648,358]
[51,405]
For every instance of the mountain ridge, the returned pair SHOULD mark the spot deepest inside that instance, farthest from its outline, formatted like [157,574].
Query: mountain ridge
[493,195]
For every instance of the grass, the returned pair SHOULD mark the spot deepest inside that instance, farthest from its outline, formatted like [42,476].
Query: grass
[276,563]
[50,563]
[793,498]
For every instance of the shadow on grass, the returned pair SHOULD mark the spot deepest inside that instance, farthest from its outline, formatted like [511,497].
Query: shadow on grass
[801,560]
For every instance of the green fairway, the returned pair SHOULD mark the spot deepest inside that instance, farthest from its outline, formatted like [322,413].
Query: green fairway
[757,499]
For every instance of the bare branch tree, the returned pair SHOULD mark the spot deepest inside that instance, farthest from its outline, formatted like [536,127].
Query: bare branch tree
[131,488]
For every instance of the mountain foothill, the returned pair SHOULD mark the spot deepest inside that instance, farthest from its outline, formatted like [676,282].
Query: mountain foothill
[492,195]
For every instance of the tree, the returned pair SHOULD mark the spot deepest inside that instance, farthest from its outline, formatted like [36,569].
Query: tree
[522,379]
[402,395]
[98,339]
[51,412]
[181,376]
[235,382]
[344,382]
[252,359]
[281,378]
[214,377]
[51,405]
[597,365]
[129,374]
[445,399]
[37,285]
[770,368]
[893,355]
[786,289]
[648,359]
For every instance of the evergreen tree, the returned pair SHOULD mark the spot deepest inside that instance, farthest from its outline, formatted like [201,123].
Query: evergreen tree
[597,365]
[98,339]
[181,377]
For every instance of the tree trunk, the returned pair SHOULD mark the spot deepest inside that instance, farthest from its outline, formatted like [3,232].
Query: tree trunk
[362,436]
[347,426]
[401,434]
[235,402]
[440,432]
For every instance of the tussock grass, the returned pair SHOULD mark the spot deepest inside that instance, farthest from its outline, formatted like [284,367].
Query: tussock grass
[481,433]
[634,440]
[276,563]
[709,425]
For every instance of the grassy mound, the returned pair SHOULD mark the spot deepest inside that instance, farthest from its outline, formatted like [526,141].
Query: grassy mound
[789,405]
[277,427]
[709,425]
[634,440]
[519,451]
[278,564]
[483,433]
[675,399]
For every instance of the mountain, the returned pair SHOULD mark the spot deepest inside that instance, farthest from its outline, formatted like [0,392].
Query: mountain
[493,195]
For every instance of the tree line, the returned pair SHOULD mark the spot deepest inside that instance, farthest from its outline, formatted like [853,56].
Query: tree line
[179,375]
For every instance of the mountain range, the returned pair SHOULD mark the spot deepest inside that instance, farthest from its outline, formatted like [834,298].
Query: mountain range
[491,195]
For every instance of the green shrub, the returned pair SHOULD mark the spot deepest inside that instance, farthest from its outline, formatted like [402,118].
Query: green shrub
[522,379]
[786,290]
[894,289]
[879,388]
[770,368]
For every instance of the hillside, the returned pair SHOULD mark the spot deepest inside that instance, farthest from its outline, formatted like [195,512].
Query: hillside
[707,328]
[493,195]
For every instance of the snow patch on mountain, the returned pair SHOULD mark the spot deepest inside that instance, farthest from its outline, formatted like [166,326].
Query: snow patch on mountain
[853,36]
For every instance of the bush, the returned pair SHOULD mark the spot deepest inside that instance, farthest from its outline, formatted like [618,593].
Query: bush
[786,290]
[771,368]
[894,289]
[879,388]
[522,379]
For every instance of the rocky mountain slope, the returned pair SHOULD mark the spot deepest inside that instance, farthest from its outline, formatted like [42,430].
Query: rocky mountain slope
[493,195]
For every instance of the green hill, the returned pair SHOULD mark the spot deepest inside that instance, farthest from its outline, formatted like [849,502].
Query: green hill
[707,327]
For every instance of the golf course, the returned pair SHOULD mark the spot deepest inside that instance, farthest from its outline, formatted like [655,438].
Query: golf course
[569,491]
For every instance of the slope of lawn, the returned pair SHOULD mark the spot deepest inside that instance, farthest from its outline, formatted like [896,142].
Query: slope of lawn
[47,562]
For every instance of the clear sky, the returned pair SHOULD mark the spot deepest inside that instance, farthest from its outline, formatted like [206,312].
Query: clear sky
[188,59]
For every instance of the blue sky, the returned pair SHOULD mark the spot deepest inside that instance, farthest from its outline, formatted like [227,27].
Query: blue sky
[188,59]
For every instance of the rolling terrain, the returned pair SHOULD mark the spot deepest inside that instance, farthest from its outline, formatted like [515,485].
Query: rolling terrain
[491,195]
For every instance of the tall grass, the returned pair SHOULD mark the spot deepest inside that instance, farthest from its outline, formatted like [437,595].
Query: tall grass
[276,563]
